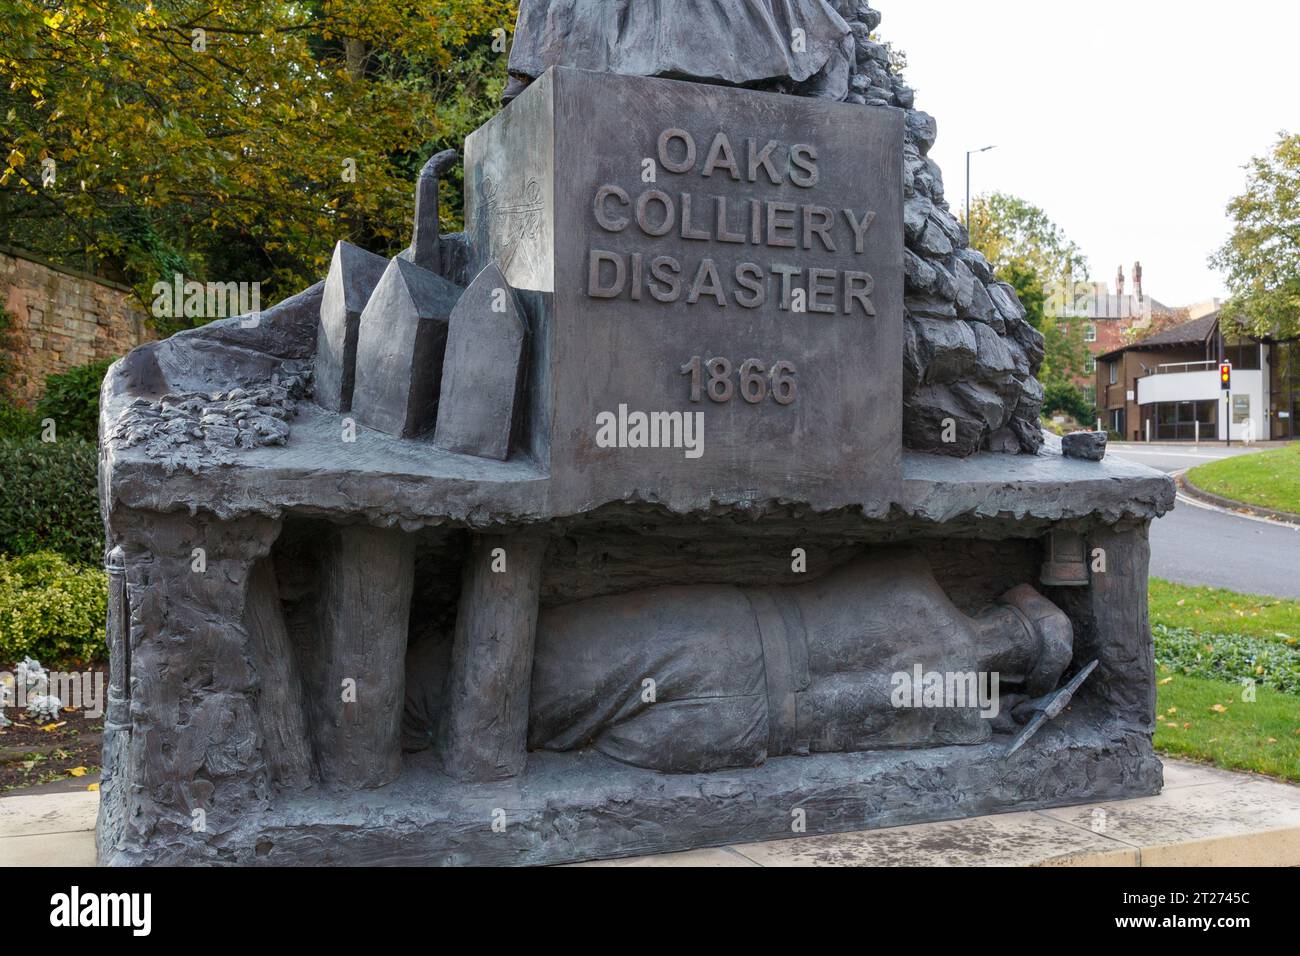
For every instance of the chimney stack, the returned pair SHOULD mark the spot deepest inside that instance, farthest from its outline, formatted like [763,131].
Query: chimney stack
[1119,282]
[1137,278]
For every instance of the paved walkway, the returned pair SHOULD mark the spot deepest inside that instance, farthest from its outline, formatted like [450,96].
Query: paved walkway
[1204,817]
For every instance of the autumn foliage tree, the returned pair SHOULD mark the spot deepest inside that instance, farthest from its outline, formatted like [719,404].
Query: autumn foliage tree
[232,140]
[1261,259]
[1034,255]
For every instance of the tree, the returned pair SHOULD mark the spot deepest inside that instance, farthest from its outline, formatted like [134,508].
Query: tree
[1007,229]
[1033,254]
[1261,259]
[234,141]
[1065,353]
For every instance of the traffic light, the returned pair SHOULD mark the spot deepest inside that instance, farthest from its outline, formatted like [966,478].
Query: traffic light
[1225,375]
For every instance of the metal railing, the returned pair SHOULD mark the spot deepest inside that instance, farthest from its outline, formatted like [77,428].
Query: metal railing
[1175,367]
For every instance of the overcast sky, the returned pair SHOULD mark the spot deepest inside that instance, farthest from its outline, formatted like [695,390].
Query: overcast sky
[1127,121]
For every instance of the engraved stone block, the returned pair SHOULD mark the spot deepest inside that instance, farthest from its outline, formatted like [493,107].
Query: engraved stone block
[481,370]
[400,348]
[713,276]
[353,275]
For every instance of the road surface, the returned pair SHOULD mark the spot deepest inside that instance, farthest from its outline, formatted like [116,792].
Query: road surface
[1196,545]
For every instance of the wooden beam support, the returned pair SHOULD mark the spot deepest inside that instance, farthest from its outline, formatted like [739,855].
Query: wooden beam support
[359,673]
[484,732]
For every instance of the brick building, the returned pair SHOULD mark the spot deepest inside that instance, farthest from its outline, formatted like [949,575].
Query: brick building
[1166,386]
[1111,319]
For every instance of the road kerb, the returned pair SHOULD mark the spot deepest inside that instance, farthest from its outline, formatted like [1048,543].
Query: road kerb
[1228,504]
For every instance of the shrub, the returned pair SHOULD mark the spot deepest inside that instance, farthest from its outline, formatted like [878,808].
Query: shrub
[17,422]
[52,610]
[49,499]
[72,400]
[1229,657]
[1067,398]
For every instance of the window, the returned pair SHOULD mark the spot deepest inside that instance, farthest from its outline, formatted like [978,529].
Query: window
[1090,394]
[1243,354]
[1114,372]
[1177,421]
[1089,365]
[1090,333]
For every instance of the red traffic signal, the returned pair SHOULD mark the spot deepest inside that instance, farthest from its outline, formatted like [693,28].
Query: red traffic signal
[1225,375]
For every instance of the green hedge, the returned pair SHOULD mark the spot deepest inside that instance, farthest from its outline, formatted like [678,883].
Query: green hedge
[1068,398]
[17,422]
[72,400]
[52,610]
[48,499]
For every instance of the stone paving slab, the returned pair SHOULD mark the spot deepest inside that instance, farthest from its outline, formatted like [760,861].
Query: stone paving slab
[1244,822]
[73,848]
[1204,817]
[1008,839]
[46,813]
[708,857]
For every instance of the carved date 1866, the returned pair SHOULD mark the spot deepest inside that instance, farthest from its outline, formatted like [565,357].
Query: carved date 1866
[753,385]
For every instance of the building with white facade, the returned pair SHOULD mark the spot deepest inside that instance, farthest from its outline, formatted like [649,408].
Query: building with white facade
[1166,387]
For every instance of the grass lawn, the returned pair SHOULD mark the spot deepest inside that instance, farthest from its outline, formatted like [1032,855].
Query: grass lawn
[1215,611]
[1207,720]
[1270,479]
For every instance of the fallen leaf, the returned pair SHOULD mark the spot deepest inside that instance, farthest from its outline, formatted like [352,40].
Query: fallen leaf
[78,771]
[92,786]
[1168,679]
[1172,726]
[1219,709]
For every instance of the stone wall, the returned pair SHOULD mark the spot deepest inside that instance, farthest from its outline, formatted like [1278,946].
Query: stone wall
[61,318]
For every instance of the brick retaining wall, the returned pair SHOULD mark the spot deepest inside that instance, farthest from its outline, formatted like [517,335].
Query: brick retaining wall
[61,318]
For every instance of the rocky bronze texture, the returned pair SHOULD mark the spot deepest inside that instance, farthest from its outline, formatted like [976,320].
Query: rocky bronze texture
[672,496]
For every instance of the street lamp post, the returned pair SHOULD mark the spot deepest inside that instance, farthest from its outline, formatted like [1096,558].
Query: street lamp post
[969,154]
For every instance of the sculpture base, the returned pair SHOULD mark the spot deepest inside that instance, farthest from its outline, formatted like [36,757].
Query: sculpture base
[583,806]
[223,713]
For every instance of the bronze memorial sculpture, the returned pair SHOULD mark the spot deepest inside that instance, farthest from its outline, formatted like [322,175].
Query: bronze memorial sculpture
[696,487]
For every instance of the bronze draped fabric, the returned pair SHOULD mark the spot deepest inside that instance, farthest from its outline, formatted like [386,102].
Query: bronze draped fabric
[737,42]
